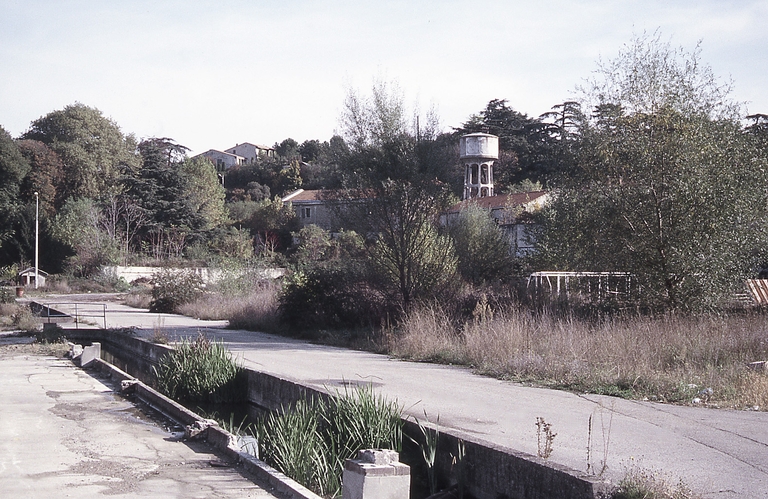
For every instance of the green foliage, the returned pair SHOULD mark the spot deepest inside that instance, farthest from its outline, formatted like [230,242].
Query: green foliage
[92,148]
[412,258]
[13,169]
[231,243]
[272,224]
[203,193]
[483,250]
[45,177]
[173,288]
[431,437]
[198,371]
[332,295]
[314,244]
[80,226]
[311,441]
[666,188]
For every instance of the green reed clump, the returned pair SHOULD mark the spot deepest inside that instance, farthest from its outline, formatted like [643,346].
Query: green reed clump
[198,371]
[311,441]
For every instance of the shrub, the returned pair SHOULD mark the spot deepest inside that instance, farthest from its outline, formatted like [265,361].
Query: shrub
[198,371]
[173,288]
[331,295]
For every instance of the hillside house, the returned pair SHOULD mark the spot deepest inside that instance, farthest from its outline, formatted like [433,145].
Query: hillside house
[314,207]
[223,161]
[512,212]
[251,152]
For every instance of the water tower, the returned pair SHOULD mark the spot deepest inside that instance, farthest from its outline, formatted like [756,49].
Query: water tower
[478,151]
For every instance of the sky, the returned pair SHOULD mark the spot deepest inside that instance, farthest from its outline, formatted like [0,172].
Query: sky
[212,74]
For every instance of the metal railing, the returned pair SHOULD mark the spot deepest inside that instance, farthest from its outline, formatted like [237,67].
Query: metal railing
[77,311]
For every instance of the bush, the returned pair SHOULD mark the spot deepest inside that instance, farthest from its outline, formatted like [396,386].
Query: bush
[198,371]
[331,295]
[173,288]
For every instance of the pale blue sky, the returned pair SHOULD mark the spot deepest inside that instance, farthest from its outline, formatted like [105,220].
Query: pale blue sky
[210,74]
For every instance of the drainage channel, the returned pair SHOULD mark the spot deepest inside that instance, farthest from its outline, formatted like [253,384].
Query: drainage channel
[492,471]
[234,449]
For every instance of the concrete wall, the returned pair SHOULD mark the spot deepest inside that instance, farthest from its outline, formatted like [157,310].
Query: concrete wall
[490,471]
[208,275]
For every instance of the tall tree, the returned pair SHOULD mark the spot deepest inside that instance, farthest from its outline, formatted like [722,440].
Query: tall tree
[13,168]
[92,147]
[46,175]
[668,186]
[396,194]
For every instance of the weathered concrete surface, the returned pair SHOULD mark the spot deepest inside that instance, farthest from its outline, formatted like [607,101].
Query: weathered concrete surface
[719,453]
[64,433]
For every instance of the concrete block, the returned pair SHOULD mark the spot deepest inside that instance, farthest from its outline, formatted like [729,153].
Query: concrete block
[376,474]
[75,351]
[90,354]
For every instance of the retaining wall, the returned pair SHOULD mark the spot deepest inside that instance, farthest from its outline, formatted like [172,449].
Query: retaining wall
[489,471]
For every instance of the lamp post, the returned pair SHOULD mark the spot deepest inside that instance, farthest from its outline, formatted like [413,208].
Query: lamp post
[37,234]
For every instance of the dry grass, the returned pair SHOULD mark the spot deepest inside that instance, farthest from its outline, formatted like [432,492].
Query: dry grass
[255,311]
[15,316]
[670,358]
[139,298]
[647,484]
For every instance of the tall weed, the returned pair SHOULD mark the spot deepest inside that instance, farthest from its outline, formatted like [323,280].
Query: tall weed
[667,358]
[254,309]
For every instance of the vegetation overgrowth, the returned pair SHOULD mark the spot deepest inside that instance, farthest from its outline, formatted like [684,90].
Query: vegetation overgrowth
[310,441]
[198,370]
[669,358]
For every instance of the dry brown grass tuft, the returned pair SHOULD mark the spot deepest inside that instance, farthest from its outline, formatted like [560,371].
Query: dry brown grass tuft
[255,311]
[670,358]
[139,298]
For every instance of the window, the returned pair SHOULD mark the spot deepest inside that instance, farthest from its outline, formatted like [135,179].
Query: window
[306,212]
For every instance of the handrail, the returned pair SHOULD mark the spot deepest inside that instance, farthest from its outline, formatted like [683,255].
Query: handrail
[81,310]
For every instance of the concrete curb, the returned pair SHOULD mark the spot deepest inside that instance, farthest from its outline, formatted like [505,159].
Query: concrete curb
[219,438]
[495,471]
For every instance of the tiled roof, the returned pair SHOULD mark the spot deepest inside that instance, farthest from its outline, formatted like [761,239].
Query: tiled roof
[501,201]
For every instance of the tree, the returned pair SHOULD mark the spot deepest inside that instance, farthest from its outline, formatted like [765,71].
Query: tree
[203,193]
[80,225]
[46,175]
[483,250]
[413,258]
[13,168]
[92,148]
[668,185]
[395,193]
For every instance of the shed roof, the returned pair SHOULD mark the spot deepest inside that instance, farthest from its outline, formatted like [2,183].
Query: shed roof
[500,201]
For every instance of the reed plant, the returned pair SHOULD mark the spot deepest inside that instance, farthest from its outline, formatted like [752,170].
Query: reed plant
[310,441]
[666,358]
[198,370]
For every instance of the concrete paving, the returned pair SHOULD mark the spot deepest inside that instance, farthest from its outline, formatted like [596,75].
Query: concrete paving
[65,433]
[718,453]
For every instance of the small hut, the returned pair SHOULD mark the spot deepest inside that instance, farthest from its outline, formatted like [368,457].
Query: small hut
[27,277]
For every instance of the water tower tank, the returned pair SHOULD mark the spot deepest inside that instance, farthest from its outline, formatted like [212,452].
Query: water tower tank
[478,151]
[479,145]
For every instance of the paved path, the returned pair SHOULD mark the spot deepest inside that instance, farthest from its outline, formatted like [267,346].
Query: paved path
[64,433]
[719,453]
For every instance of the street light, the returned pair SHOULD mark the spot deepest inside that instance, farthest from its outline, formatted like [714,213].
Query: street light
[37,234]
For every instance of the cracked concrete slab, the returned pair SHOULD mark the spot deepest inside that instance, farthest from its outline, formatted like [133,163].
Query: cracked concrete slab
[66,433]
